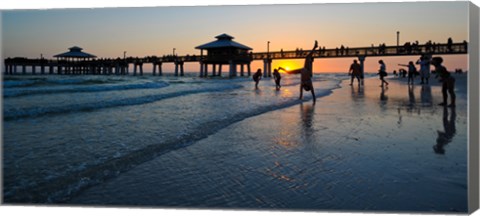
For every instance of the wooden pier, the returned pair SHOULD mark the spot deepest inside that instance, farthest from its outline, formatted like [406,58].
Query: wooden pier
[120,66]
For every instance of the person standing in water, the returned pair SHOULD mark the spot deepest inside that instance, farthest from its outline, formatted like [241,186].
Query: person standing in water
[277,77]
[382,72]
[424,63]
[355,71]
[256,77]
[306,73]
[412,70]
[448,82]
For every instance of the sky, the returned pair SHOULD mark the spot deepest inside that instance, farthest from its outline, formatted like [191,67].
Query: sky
[147,31]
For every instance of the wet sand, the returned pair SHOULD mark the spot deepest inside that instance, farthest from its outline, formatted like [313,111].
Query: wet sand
[360,148]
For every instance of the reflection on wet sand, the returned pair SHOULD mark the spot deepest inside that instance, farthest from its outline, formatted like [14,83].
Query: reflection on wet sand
[258,91]
[447,135]
[425,103]
[383,98]
[426,96]
[307,114]
[411,99]
[399,122]
[357,92]
[411,95]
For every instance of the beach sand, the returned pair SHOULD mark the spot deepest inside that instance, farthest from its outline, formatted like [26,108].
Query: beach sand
[359,148]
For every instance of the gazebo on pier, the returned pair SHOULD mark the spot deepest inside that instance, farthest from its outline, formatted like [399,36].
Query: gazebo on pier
[224,51]
[75,54]
[73,59]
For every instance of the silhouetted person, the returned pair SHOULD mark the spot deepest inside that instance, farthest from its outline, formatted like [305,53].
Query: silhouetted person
[382,72]
[355,71]
[412,70]
[448,82]
[424,63]
[449,44]
[449,131]
[256,77]
[306,74]
[277,77]
[465,46]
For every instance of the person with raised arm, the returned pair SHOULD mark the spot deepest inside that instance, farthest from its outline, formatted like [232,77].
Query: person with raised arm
[412,70]
[306,73]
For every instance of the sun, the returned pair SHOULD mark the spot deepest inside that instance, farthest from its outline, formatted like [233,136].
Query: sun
[287,64]
[286,67]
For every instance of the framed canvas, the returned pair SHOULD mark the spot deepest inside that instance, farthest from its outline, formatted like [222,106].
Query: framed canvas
[283,107]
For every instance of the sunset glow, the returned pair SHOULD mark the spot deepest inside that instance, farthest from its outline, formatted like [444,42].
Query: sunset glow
[140,32]
[287,64]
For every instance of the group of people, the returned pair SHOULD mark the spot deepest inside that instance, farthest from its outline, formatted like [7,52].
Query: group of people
[412,72]
[448,81]
[257,76]
[306,75]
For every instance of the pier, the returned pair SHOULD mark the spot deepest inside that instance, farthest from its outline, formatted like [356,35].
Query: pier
[224,51]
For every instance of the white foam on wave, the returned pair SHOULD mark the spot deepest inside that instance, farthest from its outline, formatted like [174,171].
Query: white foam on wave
[90,88]
[39,111]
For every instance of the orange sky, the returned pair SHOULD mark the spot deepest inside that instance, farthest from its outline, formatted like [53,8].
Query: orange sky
[108,32]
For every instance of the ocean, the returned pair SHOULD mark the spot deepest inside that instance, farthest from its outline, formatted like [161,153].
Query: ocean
[62,134]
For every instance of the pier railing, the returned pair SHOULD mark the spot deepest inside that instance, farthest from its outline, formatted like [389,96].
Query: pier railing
[121,65]
[438,49]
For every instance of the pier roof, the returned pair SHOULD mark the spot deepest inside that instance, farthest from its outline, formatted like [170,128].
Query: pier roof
[223,41]
[75,52]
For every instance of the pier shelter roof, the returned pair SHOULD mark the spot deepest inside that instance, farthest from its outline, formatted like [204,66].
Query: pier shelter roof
[223,41]
[75,52]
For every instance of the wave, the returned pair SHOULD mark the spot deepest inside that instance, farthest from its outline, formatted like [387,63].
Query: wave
[90,88]
[13,82]
[18,83]
[60,189]
[15,114]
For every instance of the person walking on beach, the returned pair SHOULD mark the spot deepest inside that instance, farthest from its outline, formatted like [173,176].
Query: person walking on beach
[424,63]
[448,82]
[256,77]
[306,74]
[355,71]
[382,72]
[277,77]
